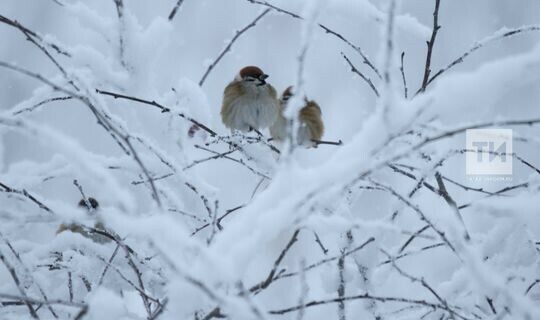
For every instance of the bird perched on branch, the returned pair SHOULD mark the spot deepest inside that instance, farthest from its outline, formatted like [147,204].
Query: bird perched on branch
[311,126]
[249,102]
[90,205]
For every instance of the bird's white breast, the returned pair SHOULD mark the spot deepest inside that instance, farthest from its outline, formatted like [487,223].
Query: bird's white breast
[256,108]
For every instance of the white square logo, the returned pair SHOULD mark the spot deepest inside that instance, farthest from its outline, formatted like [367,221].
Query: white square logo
[489,151]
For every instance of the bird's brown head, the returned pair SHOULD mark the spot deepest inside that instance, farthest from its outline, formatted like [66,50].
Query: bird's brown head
[253,74]
[287,94]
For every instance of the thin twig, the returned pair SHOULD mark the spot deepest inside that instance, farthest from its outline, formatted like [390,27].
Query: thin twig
[356,71]
[424,283]
[529,288]
[496,193]
[203,198]
[25,194]
[159,310]
[453,205]
[240,161]
[270,278]
[332,143]
[70,286]
[217,156]
[401,68]
[389,47]
[365,296]
[87,203]
[213,223]
[104,120]
[100,281]
[324,261]
[304,290]
[453,132]
[341,270]
[501,34]
[319,242]
[410,253]
[229,45]
[121,41]
[430,44]
[28,273]
[41,302]
[32,108]
[327,30]
[159,106]
[18,284]
[27,32]
[421,214]
[139,289]
[38,41]
[175,9]
[412,237]
[218,220]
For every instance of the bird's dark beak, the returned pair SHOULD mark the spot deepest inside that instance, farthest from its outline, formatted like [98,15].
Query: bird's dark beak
[262,79]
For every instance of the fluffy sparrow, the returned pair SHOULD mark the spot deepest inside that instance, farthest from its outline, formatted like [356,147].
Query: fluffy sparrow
[90,205]
[249,102]
[311,125]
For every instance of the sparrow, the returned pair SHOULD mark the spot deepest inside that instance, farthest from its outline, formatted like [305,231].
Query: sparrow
[249,102]
[91,205]
[311,125]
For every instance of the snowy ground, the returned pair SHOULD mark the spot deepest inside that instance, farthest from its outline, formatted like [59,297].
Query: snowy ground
[388,225]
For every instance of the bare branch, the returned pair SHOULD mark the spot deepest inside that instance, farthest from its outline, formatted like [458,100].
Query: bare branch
[366,79]
[424,283]
[332,143]
[159,106]
[100,281]
[15,278]
[27,32]
[25,194]
[175,9]
[324,261]
[216,156]
[365,296]
[444,193]
[28,273]
[103,119]
[405,89]
[430,44]
[501,34]
[270,278]
[121,41]
[41,302]
[229,45]
[34,38]
[389,48]
[240,161]
[341,271]
[421,214]
[412,237]
[453,132]
[319,242]
[326,29]
[34,107]
[410,253]
[534,283]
